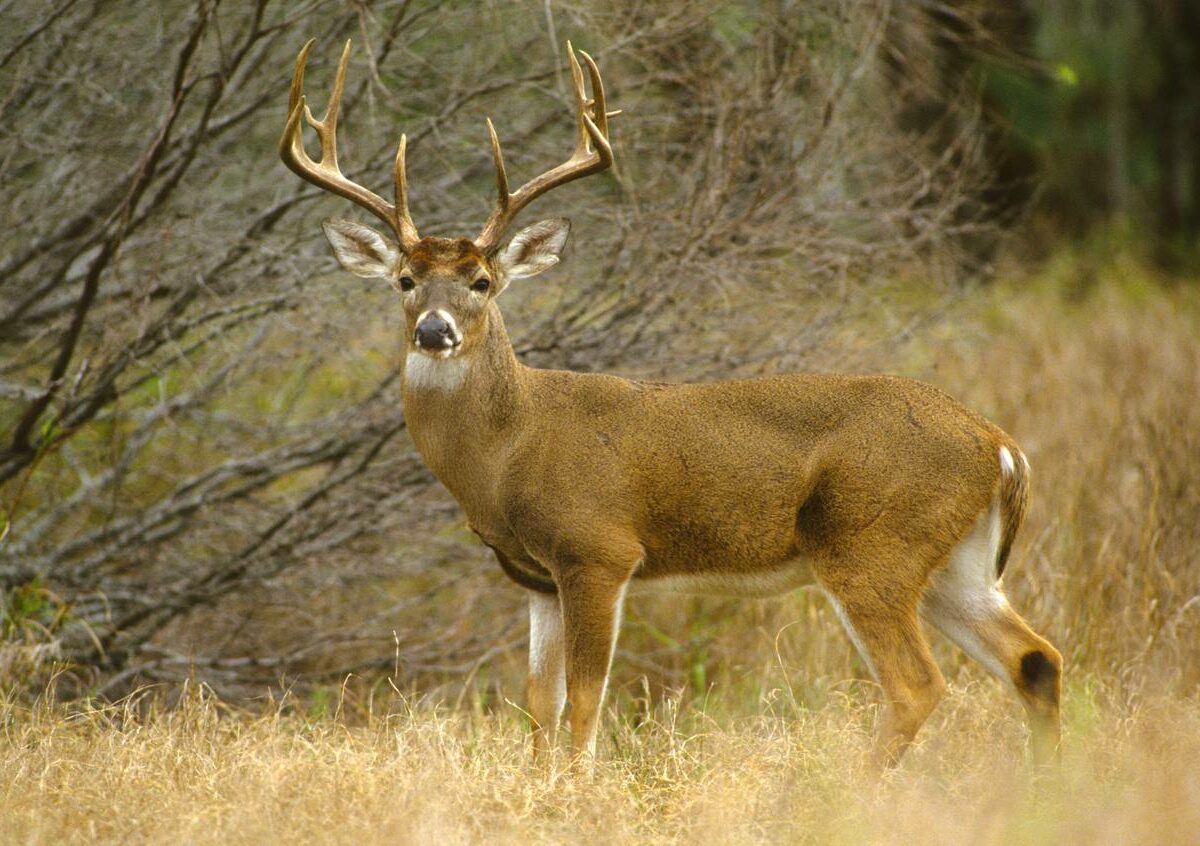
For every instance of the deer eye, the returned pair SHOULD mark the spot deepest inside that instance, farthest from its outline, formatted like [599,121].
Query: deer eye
[481,285]
[406,283]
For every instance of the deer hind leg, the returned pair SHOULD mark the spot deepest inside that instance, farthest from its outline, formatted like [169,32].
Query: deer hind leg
[965,602]
[547,671]
[885,629]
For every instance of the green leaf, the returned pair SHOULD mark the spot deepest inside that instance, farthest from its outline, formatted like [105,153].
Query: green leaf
[1066,74]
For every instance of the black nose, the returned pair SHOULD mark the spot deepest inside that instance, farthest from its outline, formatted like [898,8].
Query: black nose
[433,333]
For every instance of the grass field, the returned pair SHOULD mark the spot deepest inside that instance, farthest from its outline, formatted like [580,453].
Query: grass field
[1100,386]
[200,774]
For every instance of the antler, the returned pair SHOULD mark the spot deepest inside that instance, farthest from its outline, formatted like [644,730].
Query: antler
[593,153]
[326,173]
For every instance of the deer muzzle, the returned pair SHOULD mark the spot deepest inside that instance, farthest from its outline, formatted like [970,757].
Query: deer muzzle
[437,333]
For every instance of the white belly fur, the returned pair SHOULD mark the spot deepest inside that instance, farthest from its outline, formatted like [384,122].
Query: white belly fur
[794,574]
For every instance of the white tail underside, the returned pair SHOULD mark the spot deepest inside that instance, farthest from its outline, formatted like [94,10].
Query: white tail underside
[966,594]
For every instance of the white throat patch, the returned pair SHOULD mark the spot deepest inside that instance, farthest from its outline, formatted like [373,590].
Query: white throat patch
[422,372]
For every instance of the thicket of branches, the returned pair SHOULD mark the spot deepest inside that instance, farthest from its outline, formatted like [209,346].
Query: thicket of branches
[203,461]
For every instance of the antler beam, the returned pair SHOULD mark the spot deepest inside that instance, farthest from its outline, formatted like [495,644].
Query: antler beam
[593,153]
[326,173]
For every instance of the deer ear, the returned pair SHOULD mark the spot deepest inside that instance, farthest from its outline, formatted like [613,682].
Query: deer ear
[535,248]
[360,249]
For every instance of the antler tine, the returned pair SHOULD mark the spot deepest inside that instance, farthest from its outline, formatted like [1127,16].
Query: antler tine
[297,90]
[498,158]
[326,173]
[593,153]
[581,102]
[327,126]
[406,230]
[600,115]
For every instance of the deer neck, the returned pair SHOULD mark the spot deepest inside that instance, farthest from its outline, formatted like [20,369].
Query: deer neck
[460,410]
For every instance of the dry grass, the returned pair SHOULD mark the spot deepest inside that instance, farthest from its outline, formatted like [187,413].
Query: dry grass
[1101,391]
[198,774]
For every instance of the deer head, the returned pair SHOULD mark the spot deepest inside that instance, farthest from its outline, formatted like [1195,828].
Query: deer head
[446,284]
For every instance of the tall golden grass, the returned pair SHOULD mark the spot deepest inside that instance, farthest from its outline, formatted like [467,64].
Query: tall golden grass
[1100,386]
[198,773]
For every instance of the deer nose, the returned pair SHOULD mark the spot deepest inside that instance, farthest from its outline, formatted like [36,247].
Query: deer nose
[434,332]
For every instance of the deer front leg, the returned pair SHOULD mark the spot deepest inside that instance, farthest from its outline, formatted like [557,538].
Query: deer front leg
[591,607]
[547,671]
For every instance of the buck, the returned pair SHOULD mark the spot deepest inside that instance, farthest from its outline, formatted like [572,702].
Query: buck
[894,499]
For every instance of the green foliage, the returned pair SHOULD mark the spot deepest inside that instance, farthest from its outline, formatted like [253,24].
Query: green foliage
[30,609]
[1110,108]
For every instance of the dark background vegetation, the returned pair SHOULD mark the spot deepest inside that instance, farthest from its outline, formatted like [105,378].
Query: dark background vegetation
[203,463]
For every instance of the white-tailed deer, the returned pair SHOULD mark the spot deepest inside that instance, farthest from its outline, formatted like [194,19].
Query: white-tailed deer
[897,501]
